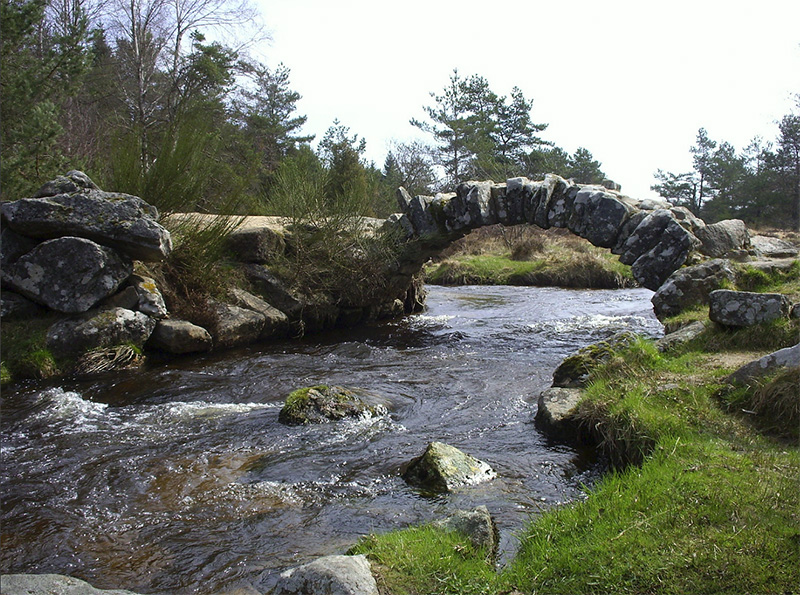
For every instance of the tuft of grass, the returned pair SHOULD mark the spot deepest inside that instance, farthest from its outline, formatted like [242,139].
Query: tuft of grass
[770,336]
[427,560]
[749,278]
[25,354]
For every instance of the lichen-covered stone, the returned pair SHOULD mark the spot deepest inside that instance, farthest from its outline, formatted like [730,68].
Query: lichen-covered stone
[598,216]
[276,323]
[16,307]
[745,308]
[750,373]
[443,468]
[330,575]
[99,328]
[690,286]
[232,326]
[680,336]
[120,221]
[319,404]
[68,274]
[769,247]
[151,302]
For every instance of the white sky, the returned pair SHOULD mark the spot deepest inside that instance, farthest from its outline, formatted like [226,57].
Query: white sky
[632,81]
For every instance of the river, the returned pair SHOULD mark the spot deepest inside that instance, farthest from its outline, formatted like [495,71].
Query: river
[179,479]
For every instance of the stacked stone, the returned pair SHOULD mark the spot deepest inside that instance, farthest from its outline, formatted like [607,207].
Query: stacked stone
[652,236]
[70,249]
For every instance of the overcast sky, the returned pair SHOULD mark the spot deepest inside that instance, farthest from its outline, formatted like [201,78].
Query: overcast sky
[632,81]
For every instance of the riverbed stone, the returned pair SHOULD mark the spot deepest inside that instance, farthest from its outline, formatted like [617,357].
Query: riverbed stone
[322,403]
[478,525]
[556,413]
[68,274]
[179,337]
[443,468]
[691,286]
[98,328]
[330,575]
[750,373]
[51,584]
[723,237]
[121,221]
[745,308]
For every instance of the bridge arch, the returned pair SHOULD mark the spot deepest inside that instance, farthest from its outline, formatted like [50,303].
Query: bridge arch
[652,236]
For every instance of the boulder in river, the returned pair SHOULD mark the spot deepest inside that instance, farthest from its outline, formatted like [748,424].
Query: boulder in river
[556,414]
[574,370]
[330,575]
[179,336]
[442,468]
[319,404]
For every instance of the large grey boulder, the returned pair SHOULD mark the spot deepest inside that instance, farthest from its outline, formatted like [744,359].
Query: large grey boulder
[769,247]
[478,525]
[121,221]
[232,326]
[68,274]
[690,286]
[331,575]
[724,237]
[645,236]
[51,584]
[179,336]
[256,243]
[99,328]
[276,323]
[750,373]
[556,413]
[472,206]
[745,308]
[443,468]
[14,245]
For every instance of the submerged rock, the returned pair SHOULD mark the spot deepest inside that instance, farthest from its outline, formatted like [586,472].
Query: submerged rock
[318,404]
[330,575]
[443,468]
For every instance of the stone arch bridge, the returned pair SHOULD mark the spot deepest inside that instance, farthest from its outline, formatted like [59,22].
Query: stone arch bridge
[652,236]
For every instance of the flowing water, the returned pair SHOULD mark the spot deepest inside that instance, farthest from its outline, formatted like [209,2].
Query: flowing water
[179,478]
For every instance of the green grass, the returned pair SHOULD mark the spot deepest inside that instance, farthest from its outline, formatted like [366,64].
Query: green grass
[700,501]
[24,350]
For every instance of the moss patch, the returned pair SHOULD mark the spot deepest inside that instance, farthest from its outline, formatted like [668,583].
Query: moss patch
[321,403]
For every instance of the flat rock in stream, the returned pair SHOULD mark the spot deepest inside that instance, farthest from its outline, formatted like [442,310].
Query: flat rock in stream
[330,575]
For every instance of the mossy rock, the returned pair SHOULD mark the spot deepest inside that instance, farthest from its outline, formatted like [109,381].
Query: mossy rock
[319,404]
[574,371]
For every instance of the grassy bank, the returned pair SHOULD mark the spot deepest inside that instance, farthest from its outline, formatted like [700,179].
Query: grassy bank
[704,497]
[527,255]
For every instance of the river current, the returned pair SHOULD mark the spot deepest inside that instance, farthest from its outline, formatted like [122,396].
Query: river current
[179,478]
